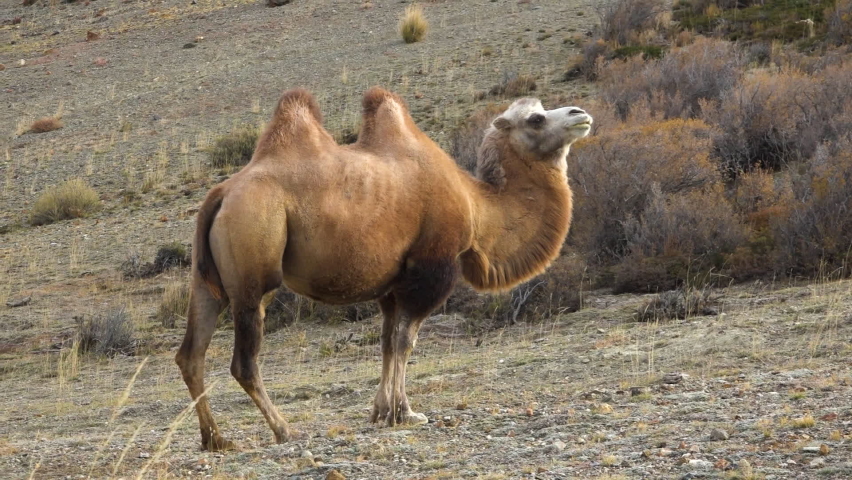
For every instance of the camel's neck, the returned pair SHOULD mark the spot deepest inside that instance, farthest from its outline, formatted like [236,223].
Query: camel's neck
[519,228]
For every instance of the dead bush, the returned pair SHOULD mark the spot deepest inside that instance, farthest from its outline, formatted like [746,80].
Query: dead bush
[816,237]
[467,137]
[71,199]
[514,85]
[234,149]
[622,21]
[839,23]
[681,303]
[287,308]
[46,124]
[614,173]
[108,334]
[771,120]
[685,235]
[174,305]
[169,255]
[676,84]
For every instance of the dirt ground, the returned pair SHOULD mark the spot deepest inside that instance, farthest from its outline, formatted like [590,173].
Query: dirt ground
[760,389]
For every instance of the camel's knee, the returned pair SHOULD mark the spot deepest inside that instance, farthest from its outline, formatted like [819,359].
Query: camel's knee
[244,372]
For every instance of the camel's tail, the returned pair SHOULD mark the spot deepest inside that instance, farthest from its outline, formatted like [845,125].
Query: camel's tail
[203,260]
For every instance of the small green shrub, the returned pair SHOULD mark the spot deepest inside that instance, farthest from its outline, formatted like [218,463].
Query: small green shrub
[72,199]
[234,149]
[413,24]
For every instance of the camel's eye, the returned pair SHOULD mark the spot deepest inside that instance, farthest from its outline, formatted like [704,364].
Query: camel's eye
[536,119]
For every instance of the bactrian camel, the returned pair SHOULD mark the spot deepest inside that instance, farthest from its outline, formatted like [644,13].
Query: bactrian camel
[390,218]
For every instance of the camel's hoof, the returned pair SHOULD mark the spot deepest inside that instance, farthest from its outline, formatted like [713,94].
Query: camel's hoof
[409,419]
[218,444]
[290,436]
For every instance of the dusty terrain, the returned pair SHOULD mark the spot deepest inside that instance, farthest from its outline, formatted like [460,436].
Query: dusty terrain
[760,389]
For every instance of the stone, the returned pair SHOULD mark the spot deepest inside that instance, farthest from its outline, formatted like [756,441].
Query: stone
[817,463]
[717,434]
[276,3]
[334,475]
[673,378]
[557,446]
[700,464]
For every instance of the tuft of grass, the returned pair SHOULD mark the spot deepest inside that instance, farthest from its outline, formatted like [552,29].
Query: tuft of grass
[806,421]
[234,149]
[413,24]
[72,199]
[174,305]
[108,334]
[46,124]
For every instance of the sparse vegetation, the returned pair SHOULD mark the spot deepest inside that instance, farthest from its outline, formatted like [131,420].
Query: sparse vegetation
[413,25]
[169,255]
[71,199]
[681,303]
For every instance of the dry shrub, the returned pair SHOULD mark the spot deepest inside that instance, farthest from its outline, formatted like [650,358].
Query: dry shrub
[839,23]
[816,237]
[514,85]
[681,303]
[615,172]
[771,120]
[413,24]
[169,255]
[467,137]
[174,305]
[46,124]
[590,62]
[676,84]
[622,21]
[71,199]
[679,238]
[109,334]
[235,148]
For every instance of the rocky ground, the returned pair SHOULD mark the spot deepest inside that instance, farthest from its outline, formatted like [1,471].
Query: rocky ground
[758,389]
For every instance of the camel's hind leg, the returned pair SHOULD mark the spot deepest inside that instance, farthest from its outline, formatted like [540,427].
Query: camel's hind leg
[248,333]
[201,323]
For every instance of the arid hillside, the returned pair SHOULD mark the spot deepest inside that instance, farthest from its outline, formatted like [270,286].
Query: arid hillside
[113,111]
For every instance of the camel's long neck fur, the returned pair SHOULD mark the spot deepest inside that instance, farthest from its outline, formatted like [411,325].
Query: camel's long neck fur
[519,227]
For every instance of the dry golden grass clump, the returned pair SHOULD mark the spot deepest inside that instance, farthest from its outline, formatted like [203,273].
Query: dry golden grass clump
[108,334]
[413,24]
[46,124]
[234,149]
[174,304]
[72,199]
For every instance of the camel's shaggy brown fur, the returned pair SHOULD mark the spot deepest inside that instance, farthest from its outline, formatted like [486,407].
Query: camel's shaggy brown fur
[390,217]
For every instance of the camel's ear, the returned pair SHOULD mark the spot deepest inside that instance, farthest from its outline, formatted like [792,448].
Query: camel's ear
[502,123]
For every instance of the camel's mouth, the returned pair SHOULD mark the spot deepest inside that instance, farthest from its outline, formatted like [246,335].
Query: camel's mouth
[585,124]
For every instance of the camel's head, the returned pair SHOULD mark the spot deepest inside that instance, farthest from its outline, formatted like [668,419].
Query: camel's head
[534,131]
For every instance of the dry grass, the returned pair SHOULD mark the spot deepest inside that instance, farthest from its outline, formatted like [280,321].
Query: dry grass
[174,305]
[107,334]
[46,124]
[72,199]
[413,25]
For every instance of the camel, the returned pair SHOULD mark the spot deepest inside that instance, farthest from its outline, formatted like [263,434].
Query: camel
[390,218]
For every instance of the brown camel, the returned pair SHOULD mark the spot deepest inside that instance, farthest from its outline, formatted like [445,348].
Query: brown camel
[390,217]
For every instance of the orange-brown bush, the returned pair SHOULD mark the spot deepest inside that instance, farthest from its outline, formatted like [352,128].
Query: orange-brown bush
[676,84]
[46,124]
[614,173]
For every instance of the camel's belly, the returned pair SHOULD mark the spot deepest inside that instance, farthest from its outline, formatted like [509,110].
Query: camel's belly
[339,279]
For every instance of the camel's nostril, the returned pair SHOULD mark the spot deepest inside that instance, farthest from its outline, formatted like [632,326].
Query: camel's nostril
[575,111]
